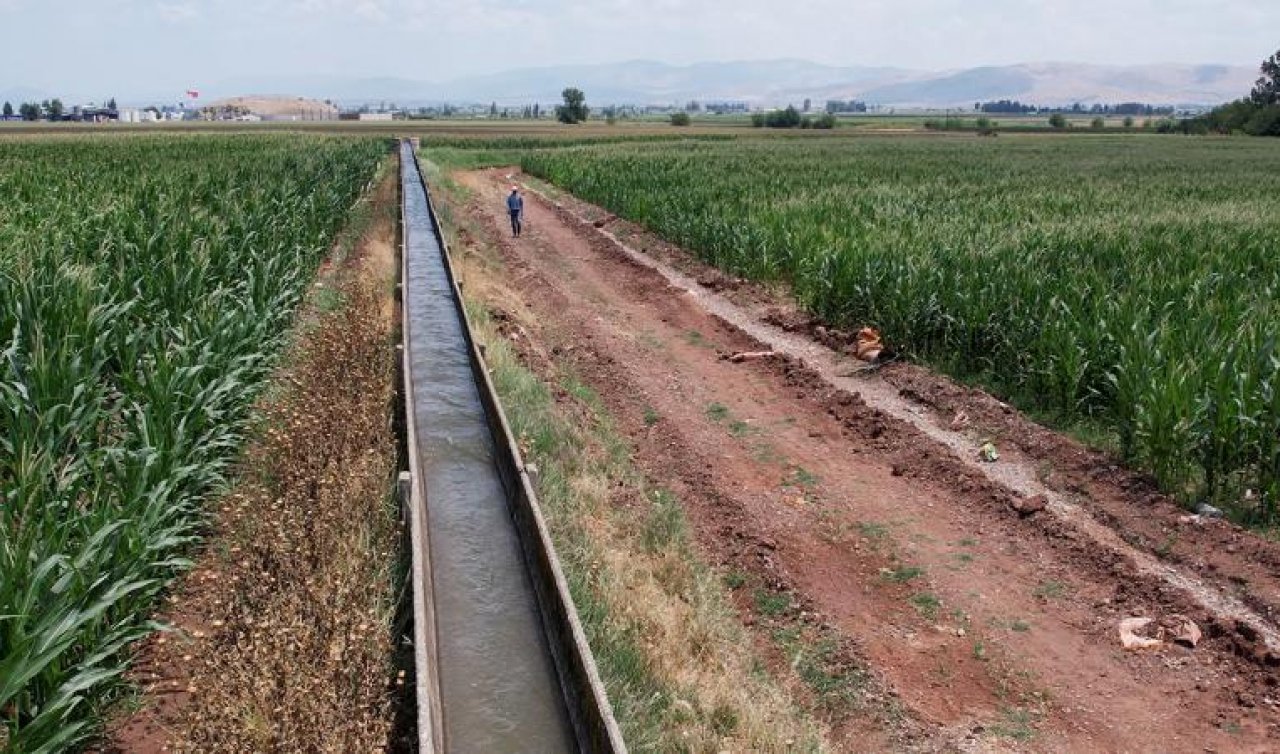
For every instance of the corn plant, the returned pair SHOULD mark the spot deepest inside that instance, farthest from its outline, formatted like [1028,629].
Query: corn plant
[1129,280]
[145,286]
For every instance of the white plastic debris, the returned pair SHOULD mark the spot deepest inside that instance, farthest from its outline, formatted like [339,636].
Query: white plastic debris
[1149,633]
[1129,637]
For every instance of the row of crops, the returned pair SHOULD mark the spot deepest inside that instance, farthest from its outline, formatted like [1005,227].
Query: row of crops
[146,284]
[1130,282]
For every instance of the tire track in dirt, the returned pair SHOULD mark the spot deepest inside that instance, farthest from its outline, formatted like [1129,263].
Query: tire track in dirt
[997,630]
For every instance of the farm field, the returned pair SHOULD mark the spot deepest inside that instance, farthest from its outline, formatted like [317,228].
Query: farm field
[1127,285]
[472,129]
[868,549]
[774,555]
[146,287]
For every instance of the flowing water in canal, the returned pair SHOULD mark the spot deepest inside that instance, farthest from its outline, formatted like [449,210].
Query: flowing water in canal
[498,685]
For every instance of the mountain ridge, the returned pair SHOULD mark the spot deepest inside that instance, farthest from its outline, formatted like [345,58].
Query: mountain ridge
[790,81]
[767,83]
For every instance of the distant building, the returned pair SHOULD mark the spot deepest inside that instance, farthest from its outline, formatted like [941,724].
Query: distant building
[148,115]
[376,116]
[90,114]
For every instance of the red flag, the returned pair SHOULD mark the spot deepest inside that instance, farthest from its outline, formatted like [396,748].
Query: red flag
[193,94]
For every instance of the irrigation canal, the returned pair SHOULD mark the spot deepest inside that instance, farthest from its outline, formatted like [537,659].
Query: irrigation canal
[501,665]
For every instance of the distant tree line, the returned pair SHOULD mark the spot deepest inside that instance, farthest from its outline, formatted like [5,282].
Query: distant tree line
[1004,106]
[528,112]
[1014,107]
[1136,108]
[538,111]
[846,106]
[1057,121]
[32,111]
[791,118]
[723,107]
[1256,115]
[50,109]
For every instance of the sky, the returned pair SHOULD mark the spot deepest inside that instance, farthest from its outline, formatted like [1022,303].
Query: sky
[137,47]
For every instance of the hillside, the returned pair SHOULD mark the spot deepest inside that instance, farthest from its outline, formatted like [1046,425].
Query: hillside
[759,83]
[1065,83]
[280,107]
[777,82]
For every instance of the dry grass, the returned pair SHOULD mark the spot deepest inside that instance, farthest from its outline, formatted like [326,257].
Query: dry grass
[679,667]
[297,655]
[284,635]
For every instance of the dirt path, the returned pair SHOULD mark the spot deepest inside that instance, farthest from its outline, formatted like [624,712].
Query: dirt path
[993,629]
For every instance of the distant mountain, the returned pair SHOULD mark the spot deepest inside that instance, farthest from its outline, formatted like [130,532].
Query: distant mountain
[635,82]
[646,82]
[1066,83]
[769,82]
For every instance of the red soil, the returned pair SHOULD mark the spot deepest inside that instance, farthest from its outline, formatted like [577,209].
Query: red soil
[1007,636]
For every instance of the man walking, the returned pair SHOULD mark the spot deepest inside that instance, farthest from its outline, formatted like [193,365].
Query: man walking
[515,206]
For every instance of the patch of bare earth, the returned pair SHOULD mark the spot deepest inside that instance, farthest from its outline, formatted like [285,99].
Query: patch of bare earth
[859,500]
[282,633]
[292,107]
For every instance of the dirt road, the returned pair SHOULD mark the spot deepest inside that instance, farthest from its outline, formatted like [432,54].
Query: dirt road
[861,499]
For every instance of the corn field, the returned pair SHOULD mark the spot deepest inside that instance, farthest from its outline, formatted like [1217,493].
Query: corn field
[145,285]
[1128,282]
